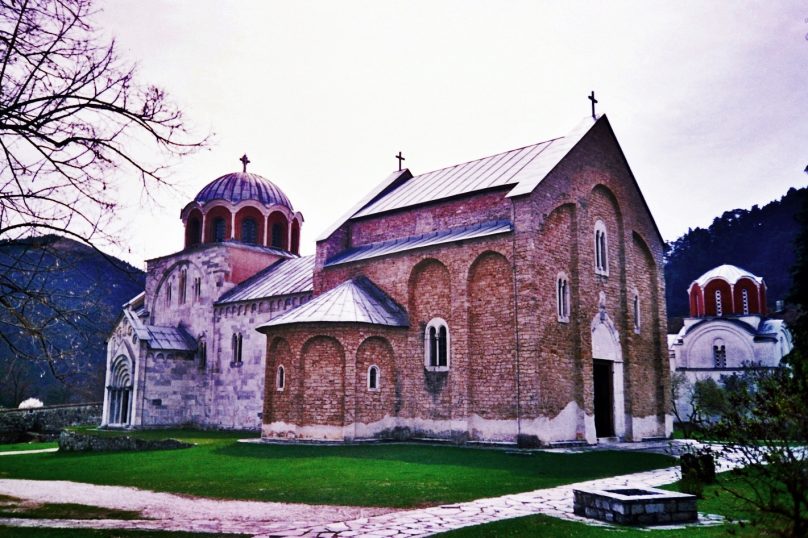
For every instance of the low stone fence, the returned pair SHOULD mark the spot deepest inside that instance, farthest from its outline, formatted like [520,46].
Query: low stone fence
[80,442]
[45,422]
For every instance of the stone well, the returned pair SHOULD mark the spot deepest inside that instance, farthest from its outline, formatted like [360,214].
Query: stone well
[635,505]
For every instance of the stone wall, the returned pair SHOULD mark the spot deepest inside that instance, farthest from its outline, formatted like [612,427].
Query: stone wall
[16,423]
[77,442]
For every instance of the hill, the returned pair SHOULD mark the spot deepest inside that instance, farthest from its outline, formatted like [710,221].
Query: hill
[73,294]
[760,240]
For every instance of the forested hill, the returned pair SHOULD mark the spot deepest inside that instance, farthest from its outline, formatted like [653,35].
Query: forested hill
[760,240]
[74,294]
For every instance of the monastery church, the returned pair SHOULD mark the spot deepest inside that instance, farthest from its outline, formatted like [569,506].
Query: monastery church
[517,298]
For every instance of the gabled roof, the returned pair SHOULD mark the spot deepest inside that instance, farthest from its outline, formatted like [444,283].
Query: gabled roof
[499,170]
[392,246]
[730,273]
[284,277]
[355,301]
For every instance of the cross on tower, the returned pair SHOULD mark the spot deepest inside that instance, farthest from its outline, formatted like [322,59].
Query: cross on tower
[244,161]
[594,101]
[400,158]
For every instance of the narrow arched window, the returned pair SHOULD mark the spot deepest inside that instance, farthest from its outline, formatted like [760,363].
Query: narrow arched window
[249,231]
[562,298]
[280,380]
[218,229]
[202,353]
[745,294]
[197,288]
[719,353]
[437,345]
[719,307]
[636,311]
[373,378]
[277,235]
[168,293]
[183,285]
[601,249]
[238,356]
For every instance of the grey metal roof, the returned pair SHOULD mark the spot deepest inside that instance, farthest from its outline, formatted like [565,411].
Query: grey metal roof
[499,170]
[284,277]
[539,168]
[419,241]
[355,301]
[170,339]
[240,186]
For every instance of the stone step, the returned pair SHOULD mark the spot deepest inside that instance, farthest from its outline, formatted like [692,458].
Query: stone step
[608,440]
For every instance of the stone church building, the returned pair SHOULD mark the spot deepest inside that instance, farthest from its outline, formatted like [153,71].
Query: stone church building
[517,297]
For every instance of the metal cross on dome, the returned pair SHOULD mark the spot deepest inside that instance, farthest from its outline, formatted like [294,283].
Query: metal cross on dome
[244,161]
[594,102]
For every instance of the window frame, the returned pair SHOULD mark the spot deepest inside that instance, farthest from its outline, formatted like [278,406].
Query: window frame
[562,297]
[280,378]
[601,243]
[636,310]
[377,386]
[442,345]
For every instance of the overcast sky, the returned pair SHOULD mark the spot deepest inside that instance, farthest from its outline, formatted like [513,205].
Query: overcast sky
[708,100]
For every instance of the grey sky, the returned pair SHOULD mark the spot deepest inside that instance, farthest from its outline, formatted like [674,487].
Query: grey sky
[708,100]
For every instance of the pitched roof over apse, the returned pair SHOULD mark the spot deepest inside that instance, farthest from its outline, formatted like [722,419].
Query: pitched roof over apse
[355,301]
[284,277]
[727,272]
[170,338]
[383,248]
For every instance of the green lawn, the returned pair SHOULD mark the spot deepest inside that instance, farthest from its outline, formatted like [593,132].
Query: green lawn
[716,501]
[16,447]
[395,475]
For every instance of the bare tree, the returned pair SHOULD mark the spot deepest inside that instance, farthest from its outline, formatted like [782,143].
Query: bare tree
[73,118]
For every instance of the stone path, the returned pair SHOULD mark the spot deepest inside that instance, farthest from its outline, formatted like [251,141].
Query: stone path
[175,512]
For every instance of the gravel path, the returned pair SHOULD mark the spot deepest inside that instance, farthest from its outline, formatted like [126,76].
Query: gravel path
[178,512]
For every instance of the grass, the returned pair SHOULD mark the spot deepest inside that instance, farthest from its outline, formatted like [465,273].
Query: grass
[716,501]
[16,447]
[14,507]
[393,475]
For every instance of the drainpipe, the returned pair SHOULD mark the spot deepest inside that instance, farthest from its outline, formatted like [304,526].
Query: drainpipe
[516,325]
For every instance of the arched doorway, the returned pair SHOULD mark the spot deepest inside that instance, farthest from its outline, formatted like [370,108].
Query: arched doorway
[607,382]
[119,392]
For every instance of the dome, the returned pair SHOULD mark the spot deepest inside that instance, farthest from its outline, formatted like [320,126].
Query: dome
[240,186]
[727,272]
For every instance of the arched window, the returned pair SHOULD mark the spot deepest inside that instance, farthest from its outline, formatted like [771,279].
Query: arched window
[373,378]
[719,353]
[249,231]
[168,292]
[636,311]
[280,379]
[277,235]
[236,348]
[194,231]
[745,295]
[719,308]
[219,228]
[202,352]
[197,288]
[562,298]
[601,249]
[183,285]
[436,345]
